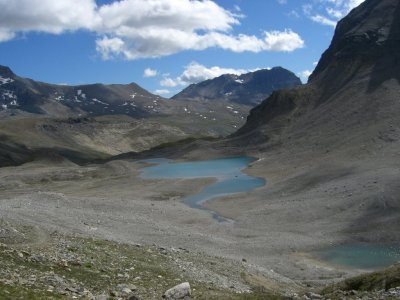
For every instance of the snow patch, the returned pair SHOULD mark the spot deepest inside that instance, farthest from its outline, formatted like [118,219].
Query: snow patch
[9,95]
[4,80]
[98,101]
[239,81]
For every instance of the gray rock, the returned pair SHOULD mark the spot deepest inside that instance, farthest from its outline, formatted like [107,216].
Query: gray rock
[178,292]
[312,295]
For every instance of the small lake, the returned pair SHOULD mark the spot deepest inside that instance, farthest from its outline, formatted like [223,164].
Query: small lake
[361,256]
[227,171]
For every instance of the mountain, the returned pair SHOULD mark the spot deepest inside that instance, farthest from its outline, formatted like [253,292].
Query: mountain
[248,89]
[98,121]
[85,100]
[353,86]
[330,149]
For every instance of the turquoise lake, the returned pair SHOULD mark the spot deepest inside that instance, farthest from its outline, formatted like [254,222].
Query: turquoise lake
[362,256]
[227,171]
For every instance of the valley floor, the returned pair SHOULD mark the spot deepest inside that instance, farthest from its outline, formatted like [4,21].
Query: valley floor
[302,208]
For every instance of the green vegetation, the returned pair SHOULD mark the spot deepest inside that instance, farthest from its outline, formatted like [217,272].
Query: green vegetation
[64,267]
[381,280]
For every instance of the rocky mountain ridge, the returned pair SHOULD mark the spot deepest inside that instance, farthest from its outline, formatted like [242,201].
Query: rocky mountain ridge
[248,89]
[362,60]
[84,100]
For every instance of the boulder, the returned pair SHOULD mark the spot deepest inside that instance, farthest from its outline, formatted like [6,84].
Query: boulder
[180,291]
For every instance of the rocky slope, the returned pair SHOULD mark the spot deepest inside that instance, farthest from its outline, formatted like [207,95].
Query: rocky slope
[333,145]
[249,89]
[356,79]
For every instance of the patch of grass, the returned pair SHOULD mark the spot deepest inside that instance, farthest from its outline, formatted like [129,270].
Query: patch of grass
[99,267]
[385,279]
[16,292]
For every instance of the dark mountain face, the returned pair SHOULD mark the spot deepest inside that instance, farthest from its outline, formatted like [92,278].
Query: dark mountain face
[22,94]
[368,36]
[248,89]
[332,146]
[361,66]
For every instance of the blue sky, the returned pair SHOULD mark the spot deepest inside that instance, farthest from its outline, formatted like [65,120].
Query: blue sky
[163,45]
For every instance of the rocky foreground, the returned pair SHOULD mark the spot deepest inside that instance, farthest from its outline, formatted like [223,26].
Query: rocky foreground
[38,265]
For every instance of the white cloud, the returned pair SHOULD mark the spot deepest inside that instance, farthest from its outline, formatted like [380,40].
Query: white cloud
[133,29]
[334,13]
[329,12]
[195,72]
[304,75]
[323,20]
[148,72]
[6,35]
[110,47]
[283,41]
[282,1]
[294,14]
[162,92]
[168,82]
[47,15]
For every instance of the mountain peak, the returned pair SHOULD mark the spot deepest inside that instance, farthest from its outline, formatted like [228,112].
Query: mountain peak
[361,66]
[6,72]
[249,89]
[370,31]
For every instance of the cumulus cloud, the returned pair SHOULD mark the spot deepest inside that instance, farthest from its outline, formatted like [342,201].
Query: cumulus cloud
[162,92]
[148,72]
[283,41]
[304,75]
[195,72]
[329,12]
[47,15]
[323,20]
[133,29]
[169,82]
[6,35]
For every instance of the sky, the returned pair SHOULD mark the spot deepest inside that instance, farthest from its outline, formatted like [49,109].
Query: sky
[163,45]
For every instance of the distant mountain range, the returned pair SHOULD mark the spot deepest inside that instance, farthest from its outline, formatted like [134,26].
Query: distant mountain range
[248,89]
[17,93]
[85,100]
[96,121]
